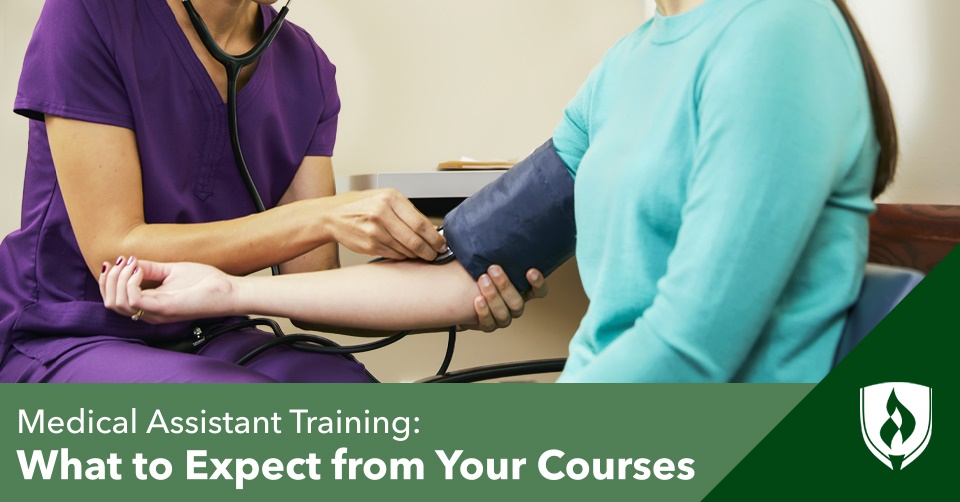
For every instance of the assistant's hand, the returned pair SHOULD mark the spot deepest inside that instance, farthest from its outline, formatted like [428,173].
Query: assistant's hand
[188,290]
[382,223]
[500,302]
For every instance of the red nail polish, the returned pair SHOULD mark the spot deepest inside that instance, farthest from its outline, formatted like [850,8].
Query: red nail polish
[119,261]
[136,270]
[104,269]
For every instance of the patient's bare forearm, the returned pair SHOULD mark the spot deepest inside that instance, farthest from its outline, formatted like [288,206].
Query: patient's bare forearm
[384,296]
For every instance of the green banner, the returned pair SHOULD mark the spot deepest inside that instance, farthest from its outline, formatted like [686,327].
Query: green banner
[661,442]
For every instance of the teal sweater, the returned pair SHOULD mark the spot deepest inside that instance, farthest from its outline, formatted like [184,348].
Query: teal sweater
[724,160]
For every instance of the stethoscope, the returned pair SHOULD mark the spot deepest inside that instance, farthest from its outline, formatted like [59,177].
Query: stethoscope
[233,66]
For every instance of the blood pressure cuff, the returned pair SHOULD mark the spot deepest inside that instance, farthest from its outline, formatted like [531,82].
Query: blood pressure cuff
[522,220]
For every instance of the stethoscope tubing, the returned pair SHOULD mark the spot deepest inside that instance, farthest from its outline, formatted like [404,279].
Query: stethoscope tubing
[233,65]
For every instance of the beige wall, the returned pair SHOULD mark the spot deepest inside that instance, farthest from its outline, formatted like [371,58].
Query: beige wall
[16,24]
[915,44]
[429,80]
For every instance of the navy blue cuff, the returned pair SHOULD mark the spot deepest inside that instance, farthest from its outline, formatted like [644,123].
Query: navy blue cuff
[523,220]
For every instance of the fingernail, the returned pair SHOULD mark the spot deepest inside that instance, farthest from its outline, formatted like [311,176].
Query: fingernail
[485,281]
[496,271]
[444,248]
[481,302]
[535,276]
[104,269]
[131,261]
[119,261]
[136,270]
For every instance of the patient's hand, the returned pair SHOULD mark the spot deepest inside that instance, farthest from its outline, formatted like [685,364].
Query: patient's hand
[187,291]
[500,302]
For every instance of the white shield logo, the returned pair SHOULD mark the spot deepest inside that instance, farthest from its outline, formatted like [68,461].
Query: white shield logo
[896,420]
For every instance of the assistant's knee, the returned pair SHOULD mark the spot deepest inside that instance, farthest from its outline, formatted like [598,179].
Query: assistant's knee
[290,365]
[205,371]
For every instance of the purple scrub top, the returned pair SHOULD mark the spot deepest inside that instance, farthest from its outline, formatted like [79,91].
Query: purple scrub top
[128,64]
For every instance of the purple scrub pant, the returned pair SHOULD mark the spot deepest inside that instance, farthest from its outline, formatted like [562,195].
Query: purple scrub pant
[130,361]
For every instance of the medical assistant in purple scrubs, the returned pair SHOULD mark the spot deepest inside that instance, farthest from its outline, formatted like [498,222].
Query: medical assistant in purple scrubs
[129,64]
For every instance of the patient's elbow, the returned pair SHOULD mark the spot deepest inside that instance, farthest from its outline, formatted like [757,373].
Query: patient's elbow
[304,325]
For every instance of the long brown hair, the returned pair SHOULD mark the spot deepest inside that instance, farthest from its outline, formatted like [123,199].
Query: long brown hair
[883,121]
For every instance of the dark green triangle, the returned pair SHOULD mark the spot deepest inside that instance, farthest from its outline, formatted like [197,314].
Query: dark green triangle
[818,453]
